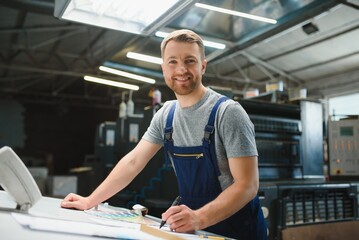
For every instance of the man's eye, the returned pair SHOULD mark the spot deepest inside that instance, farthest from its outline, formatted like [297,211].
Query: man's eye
[190,61]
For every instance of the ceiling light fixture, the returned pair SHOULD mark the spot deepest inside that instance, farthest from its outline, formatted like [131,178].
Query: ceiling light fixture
[125,15]
[111,83]
[143,57]
[236,13]
[205,42]
[127,75]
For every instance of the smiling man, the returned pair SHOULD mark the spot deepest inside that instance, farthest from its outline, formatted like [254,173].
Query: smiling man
[208,139]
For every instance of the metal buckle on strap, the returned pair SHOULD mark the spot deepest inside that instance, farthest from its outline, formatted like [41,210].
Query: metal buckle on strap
[168,136]
[168,133]
[207,132]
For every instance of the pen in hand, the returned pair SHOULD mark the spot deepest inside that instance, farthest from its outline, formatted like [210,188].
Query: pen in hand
[175,203]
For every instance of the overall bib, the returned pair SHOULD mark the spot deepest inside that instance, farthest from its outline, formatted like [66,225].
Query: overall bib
[197,174]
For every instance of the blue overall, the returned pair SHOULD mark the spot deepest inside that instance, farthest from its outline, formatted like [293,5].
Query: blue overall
[197,176]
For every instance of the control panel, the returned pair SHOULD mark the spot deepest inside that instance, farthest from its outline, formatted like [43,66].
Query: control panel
[344,148]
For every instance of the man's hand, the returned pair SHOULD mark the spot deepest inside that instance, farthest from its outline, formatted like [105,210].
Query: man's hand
[75,201]
[181,219]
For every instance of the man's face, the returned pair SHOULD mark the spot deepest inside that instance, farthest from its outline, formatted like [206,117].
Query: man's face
[183,67]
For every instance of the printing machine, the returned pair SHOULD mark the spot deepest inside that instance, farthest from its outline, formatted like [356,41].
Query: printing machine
[293,188]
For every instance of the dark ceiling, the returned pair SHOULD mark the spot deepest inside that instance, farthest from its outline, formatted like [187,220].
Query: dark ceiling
[44,59]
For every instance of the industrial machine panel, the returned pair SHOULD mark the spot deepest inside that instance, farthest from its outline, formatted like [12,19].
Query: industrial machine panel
[289,139]
[344,148]
[316,204]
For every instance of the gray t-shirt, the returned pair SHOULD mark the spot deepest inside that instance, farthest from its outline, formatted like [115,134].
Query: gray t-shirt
[234,132]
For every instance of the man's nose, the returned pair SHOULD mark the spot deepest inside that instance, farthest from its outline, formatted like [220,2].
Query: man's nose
[181,68]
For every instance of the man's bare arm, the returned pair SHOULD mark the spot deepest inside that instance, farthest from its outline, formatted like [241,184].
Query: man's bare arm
[122,174]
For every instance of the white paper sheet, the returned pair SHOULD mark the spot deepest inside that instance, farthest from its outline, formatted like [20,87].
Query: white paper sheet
[82,228]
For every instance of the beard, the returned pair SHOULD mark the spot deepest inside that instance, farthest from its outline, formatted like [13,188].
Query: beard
[183,88]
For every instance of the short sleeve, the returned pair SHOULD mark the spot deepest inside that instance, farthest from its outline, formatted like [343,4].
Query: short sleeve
[154,133]
[236,131]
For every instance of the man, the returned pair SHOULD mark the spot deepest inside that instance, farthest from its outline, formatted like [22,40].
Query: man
[210,143]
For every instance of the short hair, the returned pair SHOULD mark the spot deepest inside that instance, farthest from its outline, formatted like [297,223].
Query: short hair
[183,35]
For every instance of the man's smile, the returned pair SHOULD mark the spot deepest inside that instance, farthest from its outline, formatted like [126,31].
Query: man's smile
[182,78]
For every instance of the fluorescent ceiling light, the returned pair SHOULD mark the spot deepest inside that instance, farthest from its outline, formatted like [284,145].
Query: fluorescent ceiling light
[111,83]
[205,42]
[236,13]
[135,16]
[127,74]
[143,57]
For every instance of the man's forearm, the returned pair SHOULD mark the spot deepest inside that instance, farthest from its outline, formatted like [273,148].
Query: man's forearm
[124,172]
[226,204]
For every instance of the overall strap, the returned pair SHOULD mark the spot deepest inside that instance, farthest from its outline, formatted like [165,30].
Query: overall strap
[168,141]
[209,129]
[169,129]
[208,138]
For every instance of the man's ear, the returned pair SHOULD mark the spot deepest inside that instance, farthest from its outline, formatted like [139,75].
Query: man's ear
[204,66]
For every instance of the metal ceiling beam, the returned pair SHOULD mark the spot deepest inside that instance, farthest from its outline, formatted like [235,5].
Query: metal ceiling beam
[56,54]
[32,58]
[256,60]
[350,4]
[63,85]
[56,39]
[214,55]
[43,7]
[52,54]
[312,9]
[323,62]
[346,28]
[334,85]
[59,53]
[116,46]
[350,76]
[18,78]
[240,70]
[332,36]
[29,83]
[42,70]
[233,79]
[266,72]
[57,72]
[20,20]
[89,46]
[335,90]
[54,28]
[12,55]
